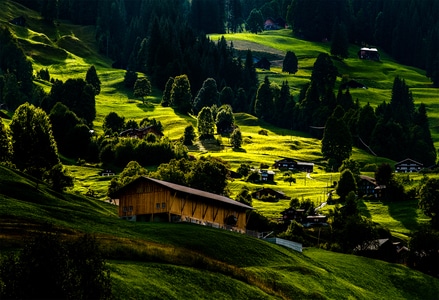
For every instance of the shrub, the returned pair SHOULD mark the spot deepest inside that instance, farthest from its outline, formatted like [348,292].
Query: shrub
[263,132]
[50,268]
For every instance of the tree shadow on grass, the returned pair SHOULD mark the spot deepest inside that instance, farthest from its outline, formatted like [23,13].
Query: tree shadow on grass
[405,212]
[239,150]
[363,209]
[146,107]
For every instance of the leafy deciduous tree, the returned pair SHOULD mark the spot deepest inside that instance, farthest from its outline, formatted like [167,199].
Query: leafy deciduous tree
[205,123]
[429,200]
[34,147]
[346,184]
[181,94]
[142,88]
[51,268]
[189,135]
[337,141]
[113,123]
[5,144]
[236,138]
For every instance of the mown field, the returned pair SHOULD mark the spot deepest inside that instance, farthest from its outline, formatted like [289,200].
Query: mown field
[68,50]
[186,261]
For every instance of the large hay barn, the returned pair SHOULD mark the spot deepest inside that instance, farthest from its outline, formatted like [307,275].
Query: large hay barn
[149,199]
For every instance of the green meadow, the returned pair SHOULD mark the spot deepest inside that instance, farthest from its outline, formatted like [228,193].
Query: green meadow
[67,51]
[164,260]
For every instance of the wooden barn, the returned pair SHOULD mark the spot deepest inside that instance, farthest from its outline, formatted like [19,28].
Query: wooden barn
[149,199]
[369,53]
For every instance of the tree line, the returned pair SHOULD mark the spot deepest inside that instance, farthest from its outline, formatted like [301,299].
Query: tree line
[406,29]
[394,129]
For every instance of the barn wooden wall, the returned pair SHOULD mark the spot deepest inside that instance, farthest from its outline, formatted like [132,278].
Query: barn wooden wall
[148,198]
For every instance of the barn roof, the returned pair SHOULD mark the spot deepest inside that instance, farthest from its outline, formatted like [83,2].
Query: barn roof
[188,190]
[369,49]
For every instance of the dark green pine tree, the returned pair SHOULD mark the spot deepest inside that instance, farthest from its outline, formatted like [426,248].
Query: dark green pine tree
[290,63]
[421,146]
[166,98]
[234,16]
[250,77]
[324,73]
[401,103]
[92,78]
[308,106]
[264,105]
[366,124]
[208,95]
[282,115]
[340,41]
[49,10]
[255,21]
[337,140]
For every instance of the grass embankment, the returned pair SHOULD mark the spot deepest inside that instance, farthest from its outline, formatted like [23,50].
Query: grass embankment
[181,261]
[67,51]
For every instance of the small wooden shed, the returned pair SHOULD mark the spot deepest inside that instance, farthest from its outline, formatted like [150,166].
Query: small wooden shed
[149,199]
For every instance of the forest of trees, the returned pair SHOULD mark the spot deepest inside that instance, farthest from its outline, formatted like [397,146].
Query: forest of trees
[166,41]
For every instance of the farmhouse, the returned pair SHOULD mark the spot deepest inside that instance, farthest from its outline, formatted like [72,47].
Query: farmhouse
[19,21]
[263,63]
[408,165]
[149,199]
[140,133]
[290,214]
[366,185]
[266,175]
[369,53]
[293,165]
[274,24]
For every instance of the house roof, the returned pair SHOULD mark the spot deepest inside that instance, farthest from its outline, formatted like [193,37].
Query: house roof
[367,178]
[187,190]
[369,49]
[408,160]
[269,190]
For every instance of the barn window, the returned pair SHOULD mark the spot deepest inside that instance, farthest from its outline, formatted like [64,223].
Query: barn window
[163,205]
[157,205]
[124,208]
[131,208]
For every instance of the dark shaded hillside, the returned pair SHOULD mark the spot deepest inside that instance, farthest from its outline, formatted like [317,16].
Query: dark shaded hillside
[168,251]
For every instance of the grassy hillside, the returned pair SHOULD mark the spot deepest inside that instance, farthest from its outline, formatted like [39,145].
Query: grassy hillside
[162,260]
[67,51]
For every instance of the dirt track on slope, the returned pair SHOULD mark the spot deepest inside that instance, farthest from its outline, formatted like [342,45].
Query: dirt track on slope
[275,56]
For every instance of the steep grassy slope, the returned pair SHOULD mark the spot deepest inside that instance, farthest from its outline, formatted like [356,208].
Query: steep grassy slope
[182,261]
[377,76]
[68,50]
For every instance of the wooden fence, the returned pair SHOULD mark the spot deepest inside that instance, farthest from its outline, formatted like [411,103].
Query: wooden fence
[289,244]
